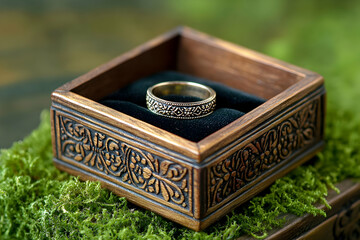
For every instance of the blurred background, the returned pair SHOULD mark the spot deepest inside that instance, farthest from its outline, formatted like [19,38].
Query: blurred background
[45,43]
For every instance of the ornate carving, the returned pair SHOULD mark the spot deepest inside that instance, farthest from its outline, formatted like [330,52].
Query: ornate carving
[180,111]
[129,164]
[231,174]
[347,224]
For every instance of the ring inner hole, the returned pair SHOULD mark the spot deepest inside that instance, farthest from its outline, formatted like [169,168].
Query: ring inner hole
[195,93]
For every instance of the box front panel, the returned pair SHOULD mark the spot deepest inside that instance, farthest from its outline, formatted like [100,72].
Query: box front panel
[260,159]
[109,155]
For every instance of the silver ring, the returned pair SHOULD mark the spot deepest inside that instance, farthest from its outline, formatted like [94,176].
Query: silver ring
[182,110]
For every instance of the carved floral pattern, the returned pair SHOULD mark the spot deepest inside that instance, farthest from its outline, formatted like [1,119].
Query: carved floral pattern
[129,164]
[275,145]
[347,224]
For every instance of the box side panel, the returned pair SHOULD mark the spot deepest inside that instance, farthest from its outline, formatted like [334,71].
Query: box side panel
[152,179]
[143,61]
[53,132]
[253,163]
[204,57]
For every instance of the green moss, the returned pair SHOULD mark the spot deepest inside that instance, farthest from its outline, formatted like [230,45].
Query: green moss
[39,202]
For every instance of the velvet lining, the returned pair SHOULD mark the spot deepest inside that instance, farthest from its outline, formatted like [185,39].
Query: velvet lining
[231,104]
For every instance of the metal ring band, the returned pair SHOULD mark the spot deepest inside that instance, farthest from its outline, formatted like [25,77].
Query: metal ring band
[181,110]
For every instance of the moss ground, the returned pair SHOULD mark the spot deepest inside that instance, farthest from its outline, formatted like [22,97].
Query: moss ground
[39,202]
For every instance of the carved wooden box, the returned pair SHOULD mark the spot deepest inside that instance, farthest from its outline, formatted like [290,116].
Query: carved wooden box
[192,183]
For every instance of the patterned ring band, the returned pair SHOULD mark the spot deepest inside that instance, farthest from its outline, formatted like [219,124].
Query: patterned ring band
[157,103]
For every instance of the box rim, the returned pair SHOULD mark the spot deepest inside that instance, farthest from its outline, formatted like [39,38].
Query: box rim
[198,151]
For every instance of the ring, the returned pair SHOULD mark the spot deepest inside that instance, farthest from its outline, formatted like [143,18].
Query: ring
[157,103]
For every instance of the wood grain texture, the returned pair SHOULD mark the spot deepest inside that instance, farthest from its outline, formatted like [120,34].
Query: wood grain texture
[192,183]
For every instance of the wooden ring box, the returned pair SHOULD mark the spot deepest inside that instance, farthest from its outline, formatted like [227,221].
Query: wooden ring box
[191,183]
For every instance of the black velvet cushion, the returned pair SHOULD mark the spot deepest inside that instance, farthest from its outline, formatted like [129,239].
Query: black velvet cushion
[231,104]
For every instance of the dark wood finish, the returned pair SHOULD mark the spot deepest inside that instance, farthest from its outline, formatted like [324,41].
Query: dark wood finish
[192,183]
[342,221]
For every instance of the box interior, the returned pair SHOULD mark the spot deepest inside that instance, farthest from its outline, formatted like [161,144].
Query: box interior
[196,57]
[231,105]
